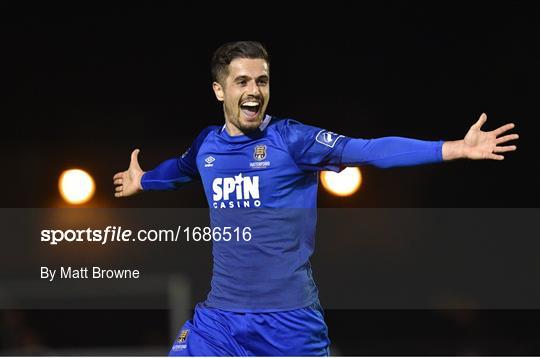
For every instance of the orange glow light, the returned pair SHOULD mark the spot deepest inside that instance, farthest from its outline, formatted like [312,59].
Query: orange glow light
[345,183]
[76,186]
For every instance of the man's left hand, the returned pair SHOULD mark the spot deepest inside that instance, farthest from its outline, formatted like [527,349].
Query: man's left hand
[478,144]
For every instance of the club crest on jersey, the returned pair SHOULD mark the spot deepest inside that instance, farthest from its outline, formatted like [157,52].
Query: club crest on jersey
[183,336]
[260,152]
[327,138]
[180,342]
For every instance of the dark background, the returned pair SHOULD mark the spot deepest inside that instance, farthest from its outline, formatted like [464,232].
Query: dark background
[82,86]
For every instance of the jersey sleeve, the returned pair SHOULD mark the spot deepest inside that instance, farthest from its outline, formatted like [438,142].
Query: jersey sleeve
[313,148]
[173,173]
[389,152]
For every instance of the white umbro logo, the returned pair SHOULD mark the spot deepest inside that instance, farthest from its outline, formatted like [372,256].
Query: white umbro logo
[209,161]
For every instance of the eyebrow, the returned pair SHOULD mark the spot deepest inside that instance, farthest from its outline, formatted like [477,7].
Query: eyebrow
[245,77]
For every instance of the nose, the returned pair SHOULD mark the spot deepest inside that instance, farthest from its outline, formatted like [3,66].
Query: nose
[253,88]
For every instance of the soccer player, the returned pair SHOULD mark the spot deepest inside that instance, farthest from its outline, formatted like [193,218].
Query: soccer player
[261,172]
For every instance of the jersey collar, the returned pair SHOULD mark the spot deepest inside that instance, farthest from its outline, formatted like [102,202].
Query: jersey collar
[262,126]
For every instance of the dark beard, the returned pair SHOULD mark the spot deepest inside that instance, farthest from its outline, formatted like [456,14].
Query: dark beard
[248,129]
[239,125]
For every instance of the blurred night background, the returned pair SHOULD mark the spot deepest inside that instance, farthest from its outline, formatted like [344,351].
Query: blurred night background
[83,86]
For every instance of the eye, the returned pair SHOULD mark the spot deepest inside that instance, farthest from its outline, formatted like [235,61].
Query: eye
[262,82]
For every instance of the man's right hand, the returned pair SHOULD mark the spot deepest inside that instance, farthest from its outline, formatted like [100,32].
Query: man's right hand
[129,182]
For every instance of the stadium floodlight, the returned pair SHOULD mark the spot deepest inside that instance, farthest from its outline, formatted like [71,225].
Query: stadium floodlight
[76,186]
[345,183]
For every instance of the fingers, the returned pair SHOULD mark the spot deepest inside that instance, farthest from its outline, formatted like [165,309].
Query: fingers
[495,157]
[504,149]
[506,138]
[503,129]
[118,181]
[119,191]
[508,148]
[118,178]
[481,121]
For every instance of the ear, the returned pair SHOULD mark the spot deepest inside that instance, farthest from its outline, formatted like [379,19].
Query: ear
[218,91]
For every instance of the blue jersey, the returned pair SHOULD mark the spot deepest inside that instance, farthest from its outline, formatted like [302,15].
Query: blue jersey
[267,181]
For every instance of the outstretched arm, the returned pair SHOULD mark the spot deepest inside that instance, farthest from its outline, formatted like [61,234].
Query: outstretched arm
[478,144]
[391,152]
[169,175]
[166,176]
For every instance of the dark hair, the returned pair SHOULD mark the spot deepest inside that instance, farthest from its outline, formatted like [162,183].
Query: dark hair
[226,53]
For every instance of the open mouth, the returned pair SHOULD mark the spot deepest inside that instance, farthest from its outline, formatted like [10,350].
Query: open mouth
[250,108]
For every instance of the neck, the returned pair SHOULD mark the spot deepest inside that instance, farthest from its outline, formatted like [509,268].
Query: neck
[232,130]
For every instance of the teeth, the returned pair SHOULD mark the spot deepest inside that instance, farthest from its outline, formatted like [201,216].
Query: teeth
[250,104]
